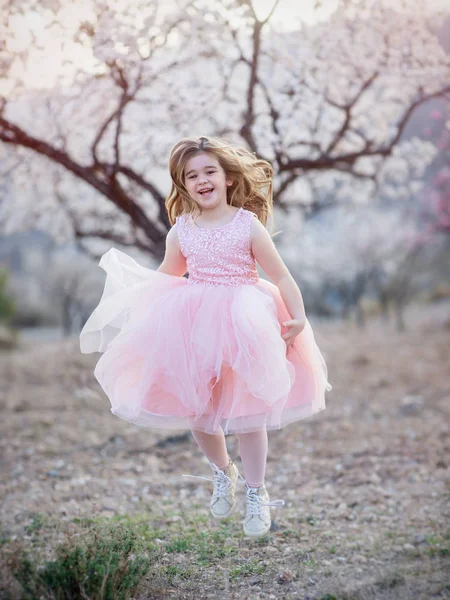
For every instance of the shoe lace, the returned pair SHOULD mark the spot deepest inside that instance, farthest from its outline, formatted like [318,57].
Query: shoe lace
[254,502]
[221,479]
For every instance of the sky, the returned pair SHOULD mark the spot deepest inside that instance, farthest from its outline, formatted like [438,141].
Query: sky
[53,59]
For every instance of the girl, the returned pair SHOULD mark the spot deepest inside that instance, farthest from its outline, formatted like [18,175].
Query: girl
[222,351]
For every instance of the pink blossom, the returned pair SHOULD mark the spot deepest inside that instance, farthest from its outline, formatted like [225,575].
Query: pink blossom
[436,115]
[443,177]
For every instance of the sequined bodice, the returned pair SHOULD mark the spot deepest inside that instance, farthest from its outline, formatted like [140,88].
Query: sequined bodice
[219,255]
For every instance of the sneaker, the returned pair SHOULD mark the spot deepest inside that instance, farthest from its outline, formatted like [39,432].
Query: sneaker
[223,497]
[257,520]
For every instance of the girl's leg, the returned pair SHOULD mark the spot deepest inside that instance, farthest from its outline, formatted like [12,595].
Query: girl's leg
[253,449]
[214,447]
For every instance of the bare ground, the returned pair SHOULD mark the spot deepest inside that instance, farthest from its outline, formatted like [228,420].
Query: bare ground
[365,482]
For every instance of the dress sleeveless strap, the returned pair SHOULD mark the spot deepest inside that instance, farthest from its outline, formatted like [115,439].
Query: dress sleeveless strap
[180,223]
[249,216]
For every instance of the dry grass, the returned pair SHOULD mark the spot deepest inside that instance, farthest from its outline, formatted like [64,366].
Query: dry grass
[365,482]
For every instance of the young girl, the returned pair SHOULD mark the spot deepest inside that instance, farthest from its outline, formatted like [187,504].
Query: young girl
[221,351]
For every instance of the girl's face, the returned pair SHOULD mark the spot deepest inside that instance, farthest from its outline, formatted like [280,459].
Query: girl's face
[206,181]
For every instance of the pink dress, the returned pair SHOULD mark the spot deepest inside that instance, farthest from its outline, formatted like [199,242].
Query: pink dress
[202,352]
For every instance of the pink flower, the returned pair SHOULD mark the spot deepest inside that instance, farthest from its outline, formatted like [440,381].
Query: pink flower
[436,115]
[443,177]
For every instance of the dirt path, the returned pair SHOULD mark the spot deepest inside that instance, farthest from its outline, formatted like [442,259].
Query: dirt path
[365,482]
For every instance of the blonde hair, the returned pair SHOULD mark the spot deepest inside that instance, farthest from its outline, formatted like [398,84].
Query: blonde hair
[252,177]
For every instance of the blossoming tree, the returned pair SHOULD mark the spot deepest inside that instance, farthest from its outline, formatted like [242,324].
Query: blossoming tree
[324,102]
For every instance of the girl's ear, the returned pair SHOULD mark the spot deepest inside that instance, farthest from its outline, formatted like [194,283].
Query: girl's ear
[229,182]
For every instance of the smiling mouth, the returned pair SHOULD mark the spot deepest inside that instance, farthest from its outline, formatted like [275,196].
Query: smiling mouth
[206,192]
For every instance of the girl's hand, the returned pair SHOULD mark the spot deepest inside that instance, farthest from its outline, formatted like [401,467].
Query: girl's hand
[294,327]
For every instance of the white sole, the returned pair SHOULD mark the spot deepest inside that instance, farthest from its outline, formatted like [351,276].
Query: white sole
[226,514]
[256,535]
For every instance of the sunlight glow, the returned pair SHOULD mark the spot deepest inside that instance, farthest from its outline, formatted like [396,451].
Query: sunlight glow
[44,55]
[51,58]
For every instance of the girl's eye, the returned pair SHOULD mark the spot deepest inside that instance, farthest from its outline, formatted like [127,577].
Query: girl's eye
[208,173]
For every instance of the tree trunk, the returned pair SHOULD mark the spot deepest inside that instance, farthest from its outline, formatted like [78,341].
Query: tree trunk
[360,316]
[399,307]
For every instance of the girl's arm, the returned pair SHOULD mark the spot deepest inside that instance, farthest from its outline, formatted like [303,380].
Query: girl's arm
[268,258]
[174,262]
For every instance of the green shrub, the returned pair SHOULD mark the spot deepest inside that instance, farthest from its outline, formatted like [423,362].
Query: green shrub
[107,564]
[7,305]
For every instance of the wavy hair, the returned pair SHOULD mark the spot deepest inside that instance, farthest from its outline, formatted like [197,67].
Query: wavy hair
[252,186]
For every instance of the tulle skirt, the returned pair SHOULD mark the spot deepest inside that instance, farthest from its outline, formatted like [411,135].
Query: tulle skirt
[181,356]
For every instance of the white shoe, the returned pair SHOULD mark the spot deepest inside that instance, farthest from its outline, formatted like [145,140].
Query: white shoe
[223,498]
[257,520]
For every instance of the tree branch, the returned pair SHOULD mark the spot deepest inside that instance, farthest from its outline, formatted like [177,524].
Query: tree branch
[100,177]
[347,108]
[344,161]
